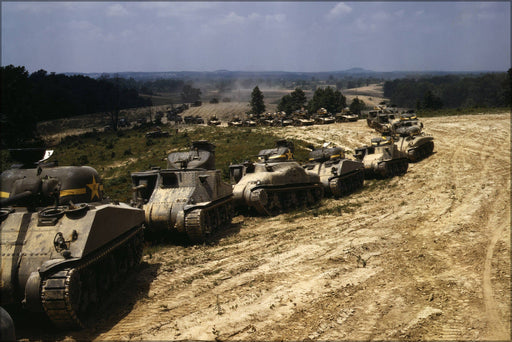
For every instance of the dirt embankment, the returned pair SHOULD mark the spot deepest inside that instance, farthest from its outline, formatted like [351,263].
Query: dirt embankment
[425,256]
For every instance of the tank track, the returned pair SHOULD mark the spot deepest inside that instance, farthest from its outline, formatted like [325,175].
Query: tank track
[283,199]
[201,222]
[421,152]
[344,185]
[70,295]
[395,167]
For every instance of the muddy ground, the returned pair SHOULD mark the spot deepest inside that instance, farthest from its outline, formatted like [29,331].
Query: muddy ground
[425,256]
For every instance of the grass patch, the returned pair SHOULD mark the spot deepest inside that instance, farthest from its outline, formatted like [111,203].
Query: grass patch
[116,156]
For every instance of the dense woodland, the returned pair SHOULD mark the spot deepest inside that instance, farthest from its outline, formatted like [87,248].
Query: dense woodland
[30,98]
[451,91]
[27,99]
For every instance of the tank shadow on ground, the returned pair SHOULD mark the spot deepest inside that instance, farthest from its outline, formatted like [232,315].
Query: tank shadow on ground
[132,289]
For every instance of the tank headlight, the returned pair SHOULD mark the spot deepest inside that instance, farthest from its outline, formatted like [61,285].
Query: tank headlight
[258,182]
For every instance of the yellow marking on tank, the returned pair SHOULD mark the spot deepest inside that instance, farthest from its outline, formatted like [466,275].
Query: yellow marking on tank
[335,156]
[4,194]
[71,192]
[95,187]
[276,157]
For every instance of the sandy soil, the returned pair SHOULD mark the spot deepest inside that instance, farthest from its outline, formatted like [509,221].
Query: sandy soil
[425,256]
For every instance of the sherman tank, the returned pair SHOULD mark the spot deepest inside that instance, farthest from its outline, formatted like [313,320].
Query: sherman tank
[410,138]
[275,183]
[64,247]
[188,197]
[415,146]
[339,175]
[382,159]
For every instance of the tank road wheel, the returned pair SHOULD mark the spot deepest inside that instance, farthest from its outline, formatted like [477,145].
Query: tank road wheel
[274,205]
[334,186]
[195,224]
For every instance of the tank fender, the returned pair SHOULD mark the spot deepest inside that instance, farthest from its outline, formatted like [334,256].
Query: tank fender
[178,217]
[32,301]
[49,265]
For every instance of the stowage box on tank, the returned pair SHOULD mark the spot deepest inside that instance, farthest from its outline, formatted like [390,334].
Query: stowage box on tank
[188,197]
[275,183]
[339,175]
[64,247]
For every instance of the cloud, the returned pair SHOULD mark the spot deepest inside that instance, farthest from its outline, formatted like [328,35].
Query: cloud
[165,9]
[339,10]
[116,10]
[233,18]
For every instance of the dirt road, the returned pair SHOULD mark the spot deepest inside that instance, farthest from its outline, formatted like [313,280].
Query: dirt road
[425,256]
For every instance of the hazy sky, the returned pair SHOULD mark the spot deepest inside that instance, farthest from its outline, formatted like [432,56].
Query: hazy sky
[256,36]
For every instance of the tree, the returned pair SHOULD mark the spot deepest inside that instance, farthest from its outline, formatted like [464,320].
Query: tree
[299,98]
[18,118]
[190,94]
[357,106]
[328,98]
[257,104]
[293,101]
[431,101]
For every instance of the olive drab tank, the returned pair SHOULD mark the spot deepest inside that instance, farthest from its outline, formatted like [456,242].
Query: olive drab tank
[382,159]
[64,247]
[188,197]
[275,183]
[339,175]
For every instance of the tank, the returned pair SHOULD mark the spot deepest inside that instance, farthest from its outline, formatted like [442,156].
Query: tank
[346,116]
[235,122]
[214,121]
[64,247]
[275,183]
[410,138]
[339,175]
[189,197]
[382,159]
[323,117]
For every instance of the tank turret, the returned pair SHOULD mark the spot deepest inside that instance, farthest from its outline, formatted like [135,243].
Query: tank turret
[64,247]
[275,183]
[188,197]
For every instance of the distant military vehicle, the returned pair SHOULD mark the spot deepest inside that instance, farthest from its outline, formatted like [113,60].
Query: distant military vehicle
[346,116]
[157,133]
[323,117]
[235,122]
[214,121]
[188,197]
[302,118]
[190,119]
[382,159]
[64,246]
[275,183]
[339,175]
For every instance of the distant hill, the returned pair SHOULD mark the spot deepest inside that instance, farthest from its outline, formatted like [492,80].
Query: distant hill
[283,75]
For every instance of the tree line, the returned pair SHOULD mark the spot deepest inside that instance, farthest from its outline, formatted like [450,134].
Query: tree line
[452,91]
[329,98]
[30,98]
